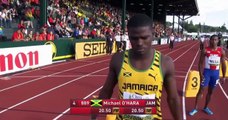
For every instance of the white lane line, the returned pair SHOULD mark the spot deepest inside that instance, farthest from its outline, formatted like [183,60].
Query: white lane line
[223,91]
[61,62]
[184,86]
[33,80]
[168,47]
[180,76]
[68,109]
[59,76]
[42,68]
[184,52]
[64,112]
[175,49]
[181,72]
[180,48]
[47,91]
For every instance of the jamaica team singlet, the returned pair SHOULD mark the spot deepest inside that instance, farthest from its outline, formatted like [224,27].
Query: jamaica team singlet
[141,84]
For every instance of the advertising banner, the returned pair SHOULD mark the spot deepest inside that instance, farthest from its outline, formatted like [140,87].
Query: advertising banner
[16,59]
[89,49]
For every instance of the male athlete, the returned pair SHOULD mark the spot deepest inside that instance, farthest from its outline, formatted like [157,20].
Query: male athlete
[212,57]
[202,39]
[142,71]
[171,40]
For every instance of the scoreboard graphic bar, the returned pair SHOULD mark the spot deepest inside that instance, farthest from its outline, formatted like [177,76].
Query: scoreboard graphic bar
[110,106]
[113,110]
[113,103]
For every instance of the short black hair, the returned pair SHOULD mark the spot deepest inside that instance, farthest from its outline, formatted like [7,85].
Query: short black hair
[213,36]
[140,20]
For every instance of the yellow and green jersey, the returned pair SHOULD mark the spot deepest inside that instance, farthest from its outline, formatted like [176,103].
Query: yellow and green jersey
[141,84]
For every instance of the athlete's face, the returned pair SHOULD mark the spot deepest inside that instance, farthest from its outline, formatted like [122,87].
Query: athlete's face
[214,41]
[140,38]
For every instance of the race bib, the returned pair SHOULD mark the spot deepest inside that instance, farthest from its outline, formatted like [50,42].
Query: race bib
[214,60]
[128,95]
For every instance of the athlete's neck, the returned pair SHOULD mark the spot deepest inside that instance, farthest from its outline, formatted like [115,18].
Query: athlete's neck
[146,55]
[213,47]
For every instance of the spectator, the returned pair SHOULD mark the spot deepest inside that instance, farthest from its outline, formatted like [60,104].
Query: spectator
[1,31]
[36,36]
[21,24]
[50,36]
[171,40]
[94,33]
[109,42]
[85,33]
[220,39]
[118,41]
[29,36]
[18,35]
[76,32]
[2,37]
[43,35]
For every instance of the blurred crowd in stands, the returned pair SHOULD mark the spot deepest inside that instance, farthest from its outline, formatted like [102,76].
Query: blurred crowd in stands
[81,19]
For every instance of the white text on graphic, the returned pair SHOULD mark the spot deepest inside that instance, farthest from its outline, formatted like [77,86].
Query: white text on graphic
[20,60]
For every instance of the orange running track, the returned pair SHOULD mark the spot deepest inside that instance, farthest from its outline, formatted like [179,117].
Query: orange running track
[45,93]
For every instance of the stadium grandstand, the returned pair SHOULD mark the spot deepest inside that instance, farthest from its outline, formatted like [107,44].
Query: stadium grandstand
[83,19]
[54,50]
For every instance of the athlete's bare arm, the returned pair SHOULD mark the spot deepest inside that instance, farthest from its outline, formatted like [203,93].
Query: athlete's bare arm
[170,87]
[111,81]
[201,62]
[223,66]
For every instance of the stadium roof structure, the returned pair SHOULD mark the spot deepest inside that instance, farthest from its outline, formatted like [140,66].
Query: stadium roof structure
[170,7]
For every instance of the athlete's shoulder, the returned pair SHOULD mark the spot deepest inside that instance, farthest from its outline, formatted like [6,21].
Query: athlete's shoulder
[116,62]
[118,55]
[167,65]
[220,48]
[117,58]
[166,59]
[207,48]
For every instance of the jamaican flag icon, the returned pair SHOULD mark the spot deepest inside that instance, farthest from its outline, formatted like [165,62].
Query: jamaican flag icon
[127,74]
[96,103]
